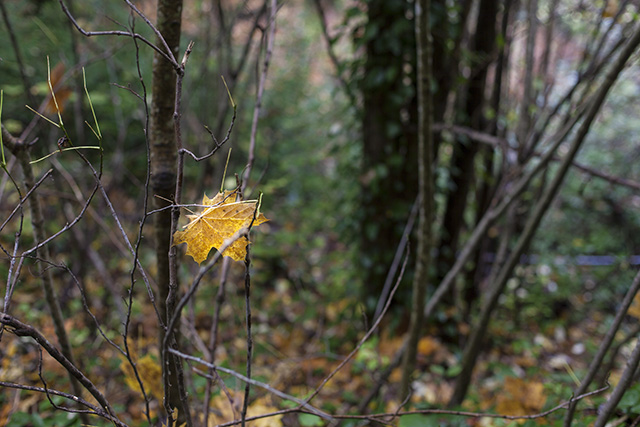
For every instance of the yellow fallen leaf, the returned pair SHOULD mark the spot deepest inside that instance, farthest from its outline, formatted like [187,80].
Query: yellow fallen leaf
[427,346]
[520,397]
[150,373]
[226,410]
[219,221]
[611,10]
[261,407]
[634,310]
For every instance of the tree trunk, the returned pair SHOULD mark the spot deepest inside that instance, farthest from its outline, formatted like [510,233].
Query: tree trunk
[464,154]
[163,164]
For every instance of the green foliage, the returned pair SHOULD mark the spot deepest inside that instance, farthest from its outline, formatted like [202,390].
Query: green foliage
[630,402]
[309,420]
[310,168]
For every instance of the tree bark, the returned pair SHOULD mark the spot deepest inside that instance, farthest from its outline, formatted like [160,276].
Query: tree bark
[163,151]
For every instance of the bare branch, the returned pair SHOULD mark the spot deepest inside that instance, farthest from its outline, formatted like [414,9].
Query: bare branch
[137,36]
[93,409]
[23,330]
[332,54]
[366,336]
[605,344]
[270,38]
[254,382]
[26,197]
[495,141]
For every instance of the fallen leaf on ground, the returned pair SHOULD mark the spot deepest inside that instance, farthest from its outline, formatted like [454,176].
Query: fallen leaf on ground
[520,397]
[150,373]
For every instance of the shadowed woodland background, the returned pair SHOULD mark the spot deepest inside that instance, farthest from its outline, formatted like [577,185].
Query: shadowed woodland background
[528,254]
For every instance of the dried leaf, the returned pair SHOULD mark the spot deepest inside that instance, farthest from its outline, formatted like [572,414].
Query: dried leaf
[261,407]
[150,373]
[226,411]
[611,9]
[634,309]
[427,346]
[520,397]
[62,92]
[219,221]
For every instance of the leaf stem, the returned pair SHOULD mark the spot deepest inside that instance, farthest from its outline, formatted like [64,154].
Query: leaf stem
[224,174]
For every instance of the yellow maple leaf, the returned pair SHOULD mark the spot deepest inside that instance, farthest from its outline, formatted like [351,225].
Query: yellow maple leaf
[220,220]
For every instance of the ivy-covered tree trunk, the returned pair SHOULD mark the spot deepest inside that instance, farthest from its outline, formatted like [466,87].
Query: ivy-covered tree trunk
[389,178]
[164,161]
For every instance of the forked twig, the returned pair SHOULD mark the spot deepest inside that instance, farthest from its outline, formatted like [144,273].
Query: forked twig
[93,409]
[169,57]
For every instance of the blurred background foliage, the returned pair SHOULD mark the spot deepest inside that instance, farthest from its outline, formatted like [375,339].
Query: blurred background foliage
[327,248]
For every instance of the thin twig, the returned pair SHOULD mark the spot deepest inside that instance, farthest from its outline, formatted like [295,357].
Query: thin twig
[605,344]
[169,338]
[332,54]
[502,143]
[404,241]
[171,323]
[476,414]
[366,336]
[264,386]
[26,197]
[217,145]
[247,306]
[270,39]
[14,270]
[306,408]
[136,248]
[18,54]
[169,53]
[213,335]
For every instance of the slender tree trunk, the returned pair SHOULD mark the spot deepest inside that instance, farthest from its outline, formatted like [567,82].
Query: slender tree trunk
[163,165]
[528,95]
[37,221]
[425,188]
[465,151]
